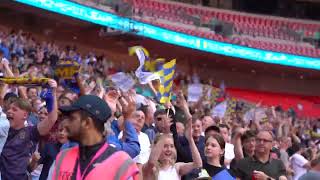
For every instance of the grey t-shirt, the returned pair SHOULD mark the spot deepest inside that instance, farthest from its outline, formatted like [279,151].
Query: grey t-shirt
[284,157]
[311,175]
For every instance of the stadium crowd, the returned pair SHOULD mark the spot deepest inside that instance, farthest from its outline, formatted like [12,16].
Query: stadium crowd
[39,123]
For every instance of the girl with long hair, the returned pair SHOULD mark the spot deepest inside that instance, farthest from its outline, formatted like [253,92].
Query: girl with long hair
[162,161]
[214,151]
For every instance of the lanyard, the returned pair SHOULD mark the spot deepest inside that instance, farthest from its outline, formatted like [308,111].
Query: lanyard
[100,151]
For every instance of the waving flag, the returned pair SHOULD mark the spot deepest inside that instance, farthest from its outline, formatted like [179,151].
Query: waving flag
[142,72]
[166,78]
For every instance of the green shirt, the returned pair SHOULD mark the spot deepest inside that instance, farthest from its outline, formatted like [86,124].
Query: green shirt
[273,168]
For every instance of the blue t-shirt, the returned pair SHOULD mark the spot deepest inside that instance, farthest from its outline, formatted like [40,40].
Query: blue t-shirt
[17,151]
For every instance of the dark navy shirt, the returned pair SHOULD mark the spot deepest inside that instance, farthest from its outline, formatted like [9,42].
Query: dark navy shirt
[17,151]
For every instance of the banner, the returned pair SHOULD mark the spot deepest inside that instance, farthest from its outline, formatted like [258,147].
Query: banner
[254,114]
[67,69]
[123,81]
[220,110]
[194,92]
[143,56]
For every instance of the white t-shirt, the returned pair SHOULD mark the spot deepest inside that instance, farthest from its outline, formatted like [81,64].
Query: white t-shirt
[145,150]
[229,151]
[4,129]
[297,162]
[170,173]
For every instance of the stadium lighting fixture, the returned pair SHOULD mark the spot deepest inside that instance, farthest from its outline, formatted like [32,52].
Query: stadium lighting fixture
[96,16]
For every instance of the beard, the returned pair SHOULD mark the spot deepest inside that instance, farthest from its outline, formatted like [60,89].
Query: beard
[74,136]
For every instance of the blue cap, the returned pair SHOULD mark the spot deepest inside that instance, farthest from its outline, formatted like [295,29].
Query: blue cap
[97,108]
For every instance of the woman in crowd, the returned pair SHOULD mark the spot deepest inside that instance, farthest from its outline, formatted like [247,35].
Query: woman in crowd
[162,161]
[214,151]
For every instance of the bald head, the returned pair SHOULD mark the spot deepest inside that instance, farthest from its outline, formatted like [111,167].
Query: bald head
[264,142]
[266,134]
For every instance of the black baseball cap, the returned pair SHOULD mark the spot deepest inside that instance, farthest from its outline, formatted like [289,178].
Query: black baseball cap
[97,108]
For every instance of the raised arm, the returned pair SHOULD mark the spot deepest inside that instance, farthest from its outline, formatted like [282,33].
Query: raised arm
[236,140]
[185,168]
[7,69]
[45,126]
[149,168]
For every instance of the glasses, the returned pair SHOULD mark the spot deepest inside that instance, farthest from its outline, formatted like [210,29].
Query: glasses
[258,140]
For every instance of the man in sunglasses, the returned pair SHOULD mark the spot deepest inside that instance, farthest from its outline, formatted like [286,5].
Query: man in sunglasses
[261,166]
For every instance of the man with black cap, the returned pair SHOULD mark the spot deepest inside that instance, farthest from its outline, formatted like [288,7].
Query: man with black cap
[94,158]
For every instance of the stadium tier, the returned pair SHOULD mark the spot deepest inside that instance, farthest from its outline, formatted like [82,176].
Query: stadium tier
[274,34]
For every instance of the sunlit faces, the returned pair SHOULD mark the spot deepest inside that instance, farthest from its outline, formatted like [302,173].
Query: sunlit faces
[63,101]
[197,128]
[263,142]
[249,144]
[163,123]
[16,116]
[36,103]
[225,133]
[32,93]
[169,152]
[62,132]
[43,114]
[212,148]
[206,122]
[138,120]
[73,126]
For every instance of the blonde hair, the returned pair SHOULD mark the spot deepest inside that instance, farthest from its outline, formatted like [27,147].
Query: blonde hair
[174,158]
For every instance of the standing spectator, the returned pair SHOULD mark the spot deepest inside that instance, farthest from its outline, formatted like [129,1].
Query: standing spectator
[261,166]
[138,119]
[32,93]
[284,145]
[162,121]
[50,151]
[86,126]
[162,162]
[214,150]
[299,164]
[4,129]
[206,122]
[16,151]
[314,172]
[229,148]
[212,130]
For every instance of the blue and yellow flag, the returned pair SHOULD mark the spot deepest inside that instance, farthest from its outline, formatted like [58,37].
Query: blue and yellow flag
[166,78]
[150,70]
[143,72]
